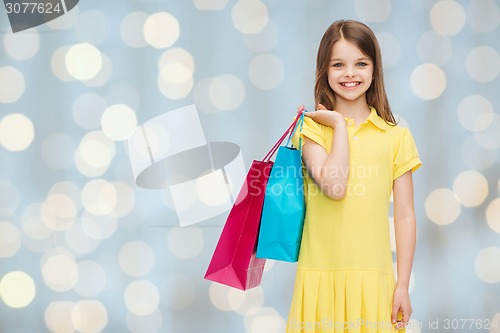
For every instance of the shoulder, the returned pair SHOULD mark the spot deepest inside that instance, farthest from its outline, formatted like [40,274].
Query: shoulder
[397,131]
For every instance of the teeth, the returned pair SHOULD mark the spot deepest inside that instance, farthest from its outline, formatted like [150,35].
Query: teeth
[350,84]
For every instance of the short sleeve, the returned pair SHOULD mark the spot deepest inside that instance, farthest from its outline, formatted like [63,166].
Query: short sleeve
[406,156]
[311,130]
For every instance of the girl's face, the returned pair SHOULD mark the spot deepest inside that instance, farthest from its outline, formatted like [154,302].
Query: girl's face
[350,73]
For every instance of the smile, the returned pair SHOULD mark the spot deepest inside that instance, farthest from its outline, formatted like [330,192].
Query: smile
[350,84]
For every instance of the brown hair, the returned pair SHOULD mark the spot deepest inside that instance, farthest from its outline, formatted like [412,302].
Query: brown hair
[363,37]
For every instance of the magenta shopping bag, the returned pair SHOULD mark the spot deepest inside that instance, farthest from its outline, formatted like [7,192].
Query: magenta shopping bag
[234,262]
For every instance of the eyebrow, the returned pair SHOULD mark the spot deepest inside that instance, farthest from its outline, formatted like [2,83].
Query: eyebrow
[360,59]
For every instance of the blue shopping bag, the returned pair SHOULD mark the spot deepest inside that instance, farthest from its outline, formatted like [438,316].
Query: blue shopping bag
[284,207]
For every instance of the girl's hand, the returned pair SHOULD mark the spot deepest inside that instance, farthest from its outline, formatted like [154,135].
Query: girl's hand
[401,302]
[326,117]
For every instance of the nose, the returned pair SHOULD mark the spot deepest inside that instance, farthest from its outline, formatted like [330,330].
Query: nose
[349,72]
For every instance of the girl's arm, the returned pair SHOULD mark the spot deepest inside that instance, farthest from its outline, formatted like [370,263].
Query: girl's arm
[405,232]
[329,171]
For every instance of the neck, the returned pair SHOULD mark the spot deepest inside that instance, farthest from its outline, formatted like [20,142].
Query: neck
[357,109]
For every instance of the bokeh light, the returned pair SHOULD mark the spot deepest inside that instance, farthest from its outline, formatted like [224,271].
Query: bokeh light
[447,17]
[12,84]
[33,225]
[202,96]
[22,46]
[60,272]
[226,92]
[495,319]
[58,64]
[125,199]
[174,91]
[58,317]
[487,264]
[94,154]
[442,206]
[428,81]
[493,215]
[434,48]
[91,279]
[483,64]
[131,29]
[83,61]
[161,30]
[16,132]
[176,69]
[267,320]
[246,302]
[370,11]
[483,15]
[142,297]
[17,289]
[475,113]
[99,197]
[471,188]
[490,137]
[89,316]
[249,16]
[219,296]
[118,122]
[136,258]
[104,74]
[266,71]
[176,56]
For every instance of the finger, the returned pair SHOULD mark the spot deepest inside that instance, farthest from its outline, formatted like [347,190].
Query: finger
[406,315]
[300,108]
[394,316]
[321,107]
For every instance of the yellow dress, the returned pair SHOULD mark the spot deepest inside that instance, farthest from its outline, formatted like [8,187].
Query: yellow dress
[345,279]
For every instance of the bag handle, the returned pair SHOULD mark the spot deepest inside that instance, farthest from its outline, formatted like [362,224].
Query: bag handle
[289,131]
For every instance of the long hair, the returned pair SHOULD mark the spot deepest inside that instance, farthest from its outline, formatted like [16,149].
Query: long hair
[363,37]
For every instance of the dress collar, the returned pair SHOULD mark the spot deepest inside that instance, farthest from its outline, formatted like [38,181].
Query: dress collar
[376,119]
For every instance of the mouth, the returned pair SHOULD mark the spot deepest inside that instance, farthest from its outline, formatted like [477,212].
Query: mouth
[350,84]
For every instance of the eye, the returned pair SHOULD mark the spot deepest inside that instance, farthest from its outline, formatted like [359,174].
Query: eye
[337,64]
[362,64]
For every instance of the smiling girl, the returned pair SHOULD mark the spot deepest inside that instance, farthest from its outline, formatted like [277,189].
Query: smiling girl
[345,280]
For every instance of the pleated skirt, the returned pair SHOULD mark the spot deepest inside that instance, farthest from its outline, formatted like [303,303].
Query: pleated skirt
[353,301]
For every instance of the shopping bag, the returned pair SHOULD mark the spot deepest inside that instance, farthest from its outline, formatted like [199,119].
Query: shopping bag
[234,262]
[284,207]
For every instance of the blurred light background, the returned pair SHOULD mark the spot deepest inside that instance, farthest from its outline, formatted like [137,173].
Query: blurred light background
[84,249]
